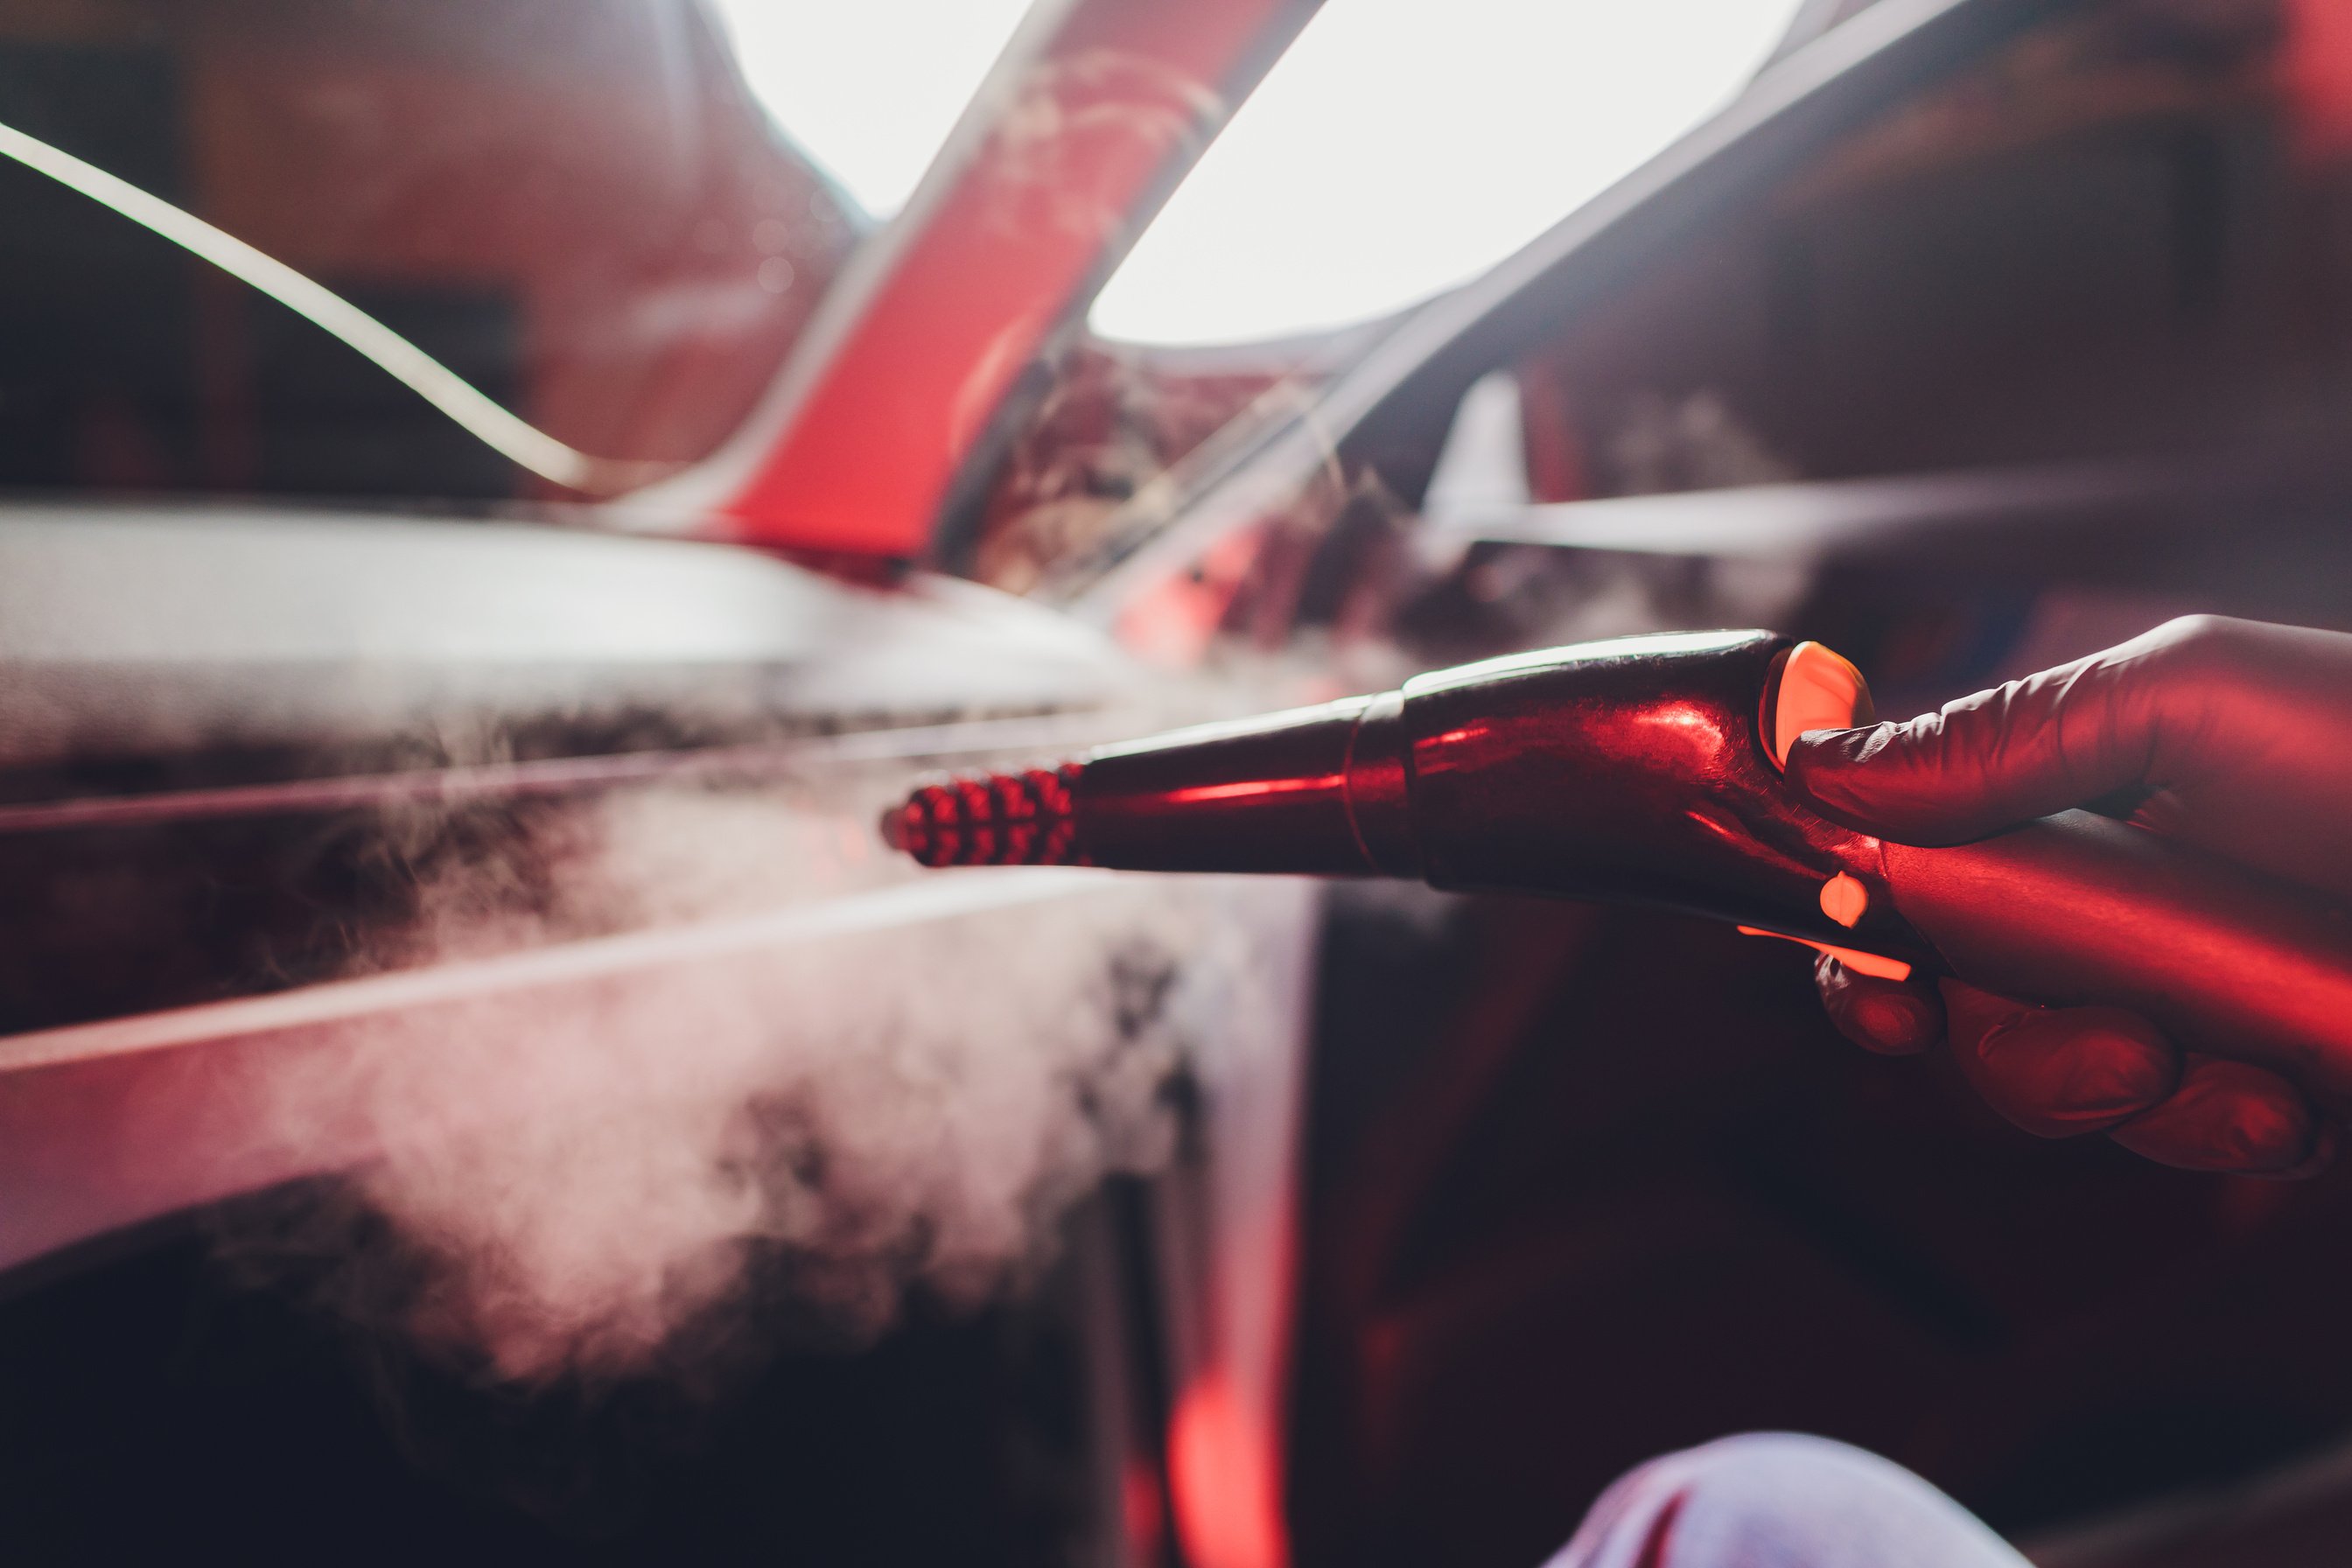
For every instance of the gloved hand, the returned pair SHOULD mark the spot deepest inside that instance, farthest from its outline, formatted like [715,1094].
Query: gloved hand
[2230,735]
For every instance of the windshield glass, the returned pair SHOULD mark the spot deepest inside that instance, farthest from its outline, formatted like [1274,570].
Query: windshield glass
[1401,147]
[575,205]
[870,88]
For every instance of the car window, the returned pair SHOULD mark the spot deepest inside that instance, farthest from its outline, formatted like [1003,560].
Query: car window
[1397,150]
[870,90]
[2112,236]
[1400,148]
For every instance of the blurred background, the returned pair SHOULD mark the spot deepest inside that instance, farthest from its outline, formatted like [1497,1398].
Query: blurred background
[495,493]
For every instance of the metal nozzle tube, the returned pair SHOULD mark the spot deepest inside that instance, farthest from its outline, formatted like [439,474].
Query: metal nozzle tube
[1312,792]
[1462,778]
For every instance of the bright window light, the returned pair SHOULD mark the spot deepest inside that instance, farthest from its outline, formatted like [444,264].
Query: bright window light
[869,88]
[1403,146]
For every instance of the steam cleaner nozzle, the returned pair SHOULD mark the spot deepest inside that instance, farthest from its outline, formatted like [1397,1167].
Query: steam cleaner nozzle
[1647,771]
[1471,777]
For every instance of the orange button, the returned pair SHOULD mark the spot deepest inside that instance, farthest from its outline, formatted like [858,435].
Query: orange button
[1819,689]
[1844,899]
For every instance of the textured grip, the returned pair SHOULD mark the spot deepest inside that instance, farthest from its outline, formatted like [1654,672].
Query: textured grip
[2077,909]
[989,819]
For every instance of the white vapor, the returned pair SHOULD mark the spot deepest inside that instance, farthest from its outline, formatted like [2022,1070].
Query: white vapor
[581,1179]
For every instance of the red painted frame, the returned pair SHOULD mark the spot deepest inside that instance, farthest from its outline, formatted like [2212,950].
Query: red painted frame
[1085,125]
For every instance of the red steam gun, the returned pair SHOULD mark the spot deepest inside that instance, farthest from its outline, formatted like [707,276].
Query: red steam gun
[1646,771]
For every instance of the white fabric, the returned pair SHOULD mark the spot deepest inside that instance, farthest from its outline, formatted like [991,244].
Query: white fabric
[1777,1500]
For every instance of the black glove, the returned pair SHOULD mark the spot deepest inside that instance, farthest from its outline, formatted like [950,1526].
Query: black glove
[2230,735]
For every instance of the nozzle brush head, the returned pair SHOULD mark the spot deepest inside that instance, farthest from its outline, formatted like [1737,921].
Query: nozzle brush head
[989,819]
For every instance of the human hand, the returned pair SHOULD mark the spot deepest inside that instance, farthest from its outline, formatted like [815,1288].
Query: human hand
[2230,735]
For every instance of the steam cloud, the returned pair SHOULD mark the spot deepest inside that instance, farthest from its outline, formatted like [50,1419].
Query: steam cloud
[575,1177]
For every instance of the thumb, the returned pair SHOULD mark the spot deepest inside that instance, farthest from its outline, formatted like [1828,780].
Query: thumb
[1987,761]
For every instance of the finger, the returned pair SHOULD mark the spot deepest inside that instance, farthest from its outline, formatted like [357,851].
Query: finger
[2057,739]
[2231,1116]
[1893,1017]
[2057,1071]
[2226,734]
